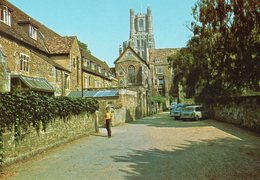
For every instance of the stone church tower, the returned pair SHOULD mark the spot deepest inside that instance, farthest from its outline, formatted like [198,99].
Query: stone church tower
[141,33]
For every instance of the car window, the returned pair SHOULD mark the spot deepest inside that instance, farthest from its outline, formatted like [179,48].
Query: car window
[188,109]
[199,109]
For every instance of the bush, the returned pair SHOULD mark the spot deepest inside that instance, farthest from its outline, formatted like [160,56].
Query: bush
[20,110]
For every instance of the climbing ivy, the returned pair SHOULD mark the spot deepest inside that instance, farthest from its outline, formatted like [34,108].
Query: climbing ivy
[20,110]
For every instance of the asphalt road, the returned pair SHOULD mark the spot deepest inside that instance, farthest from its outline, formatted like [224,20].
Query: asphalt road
[155,147]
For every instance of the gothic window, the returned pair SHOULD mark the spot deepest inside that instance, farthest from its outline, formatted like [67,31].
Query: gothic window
[131,74]
[24,62]
[142,42]
[138,43]
[141,24]
[143,54]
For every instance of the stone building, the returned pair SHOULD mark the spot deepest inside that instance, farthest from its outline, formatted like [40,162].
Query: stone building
[162,73]
[37,58]
[141,43]
[96,73]
[133,73]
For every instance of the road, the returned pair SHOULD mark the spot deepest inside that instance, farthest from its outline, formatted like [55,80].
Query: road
[155,147]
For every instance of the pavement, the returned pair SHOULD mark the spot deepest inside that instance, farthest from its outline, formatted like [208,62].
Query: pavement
[155,147]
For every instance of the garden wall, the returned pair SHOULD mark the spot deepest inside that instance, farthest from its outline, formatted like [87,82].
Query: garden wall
[124,107]
[57,133]
[243,111]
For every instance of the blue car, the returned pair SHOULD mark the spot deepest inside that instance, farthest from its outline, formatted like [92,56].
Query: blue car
[176,110]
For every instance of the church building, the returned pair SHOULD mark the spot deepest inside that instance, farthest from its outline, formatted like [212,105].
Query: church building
[142,67]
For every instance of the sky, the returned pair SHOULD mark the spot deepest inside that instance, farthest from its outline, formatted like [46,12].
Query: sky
[104,24]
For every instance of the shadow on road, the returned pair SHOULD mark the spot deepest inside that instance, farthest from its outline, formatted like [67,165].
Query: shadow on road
[163,120]
[209,159]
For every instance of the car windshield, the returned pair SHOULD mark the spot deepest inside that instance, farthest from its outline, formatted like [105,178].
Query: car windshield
[179,108]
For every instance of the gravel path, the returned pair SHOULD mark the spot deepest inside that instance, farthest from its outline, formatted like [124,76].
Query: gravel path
[155,147]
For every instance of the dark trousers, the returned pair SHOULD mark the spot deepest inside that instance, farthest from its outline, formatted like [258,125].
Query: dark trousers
[108,126]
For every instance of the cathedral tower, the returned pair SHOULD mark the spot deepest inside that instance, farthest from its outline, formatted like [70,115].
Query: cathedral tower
[141,33]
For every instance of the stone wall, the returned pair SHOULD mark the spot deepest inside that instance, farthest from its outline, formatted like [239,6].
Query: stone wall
[57,133]
[243,111]
[124,107]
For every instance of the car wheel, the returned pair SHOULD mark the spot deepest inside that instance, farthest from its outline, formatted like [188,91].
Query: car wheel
[197,118]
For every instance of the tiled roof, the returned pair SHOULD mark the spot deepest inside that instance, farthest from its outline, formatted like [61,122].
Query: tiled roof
[94,59]
[47,41]
[137,55]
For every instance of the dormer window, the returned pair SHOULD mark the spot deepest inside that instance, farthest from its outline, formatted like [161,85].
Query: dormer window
[5,15]
[32,32]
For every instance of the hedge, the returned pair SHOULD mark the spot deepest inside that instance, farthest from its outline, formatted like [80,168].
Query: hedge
[21,110]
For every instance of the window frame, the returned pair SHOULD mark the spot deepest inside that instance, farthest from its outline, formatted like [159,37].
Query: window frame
[131,74]
[157,68]
[24,62]
[33,32]
[5,15]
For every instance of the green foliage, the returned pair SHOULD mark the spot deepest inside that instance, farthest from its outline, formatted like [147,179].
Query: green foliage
[222,58]
[157,98]
[83,46]
[20,110]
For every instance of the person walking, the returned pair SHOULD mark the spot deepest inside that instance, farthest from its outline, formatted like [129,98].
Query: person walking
[108,118]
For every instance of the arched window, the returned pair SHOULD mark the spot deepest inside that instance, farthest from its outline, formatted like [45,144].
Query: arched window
[141,24]
[131,74]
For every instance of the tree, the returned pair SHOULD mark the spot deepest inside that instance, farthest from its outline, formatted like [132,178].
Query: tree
[84,46]
[225,45]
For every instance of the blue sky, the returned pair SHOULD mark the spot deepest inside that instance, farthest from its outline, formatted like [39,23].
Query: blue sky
[104,24]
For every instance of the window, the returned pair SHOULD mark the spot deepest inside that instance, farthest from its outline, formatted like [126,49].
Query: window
[141,25]
[86,82]
[142,43]
[128,54]
[131,74]
[155,82]
[74,62]
[157,60]
[24,62]
[5,15]
[58,75]
[143,54]
[138,43]
[67,81]
[32,32]
[159,70]
[161,81]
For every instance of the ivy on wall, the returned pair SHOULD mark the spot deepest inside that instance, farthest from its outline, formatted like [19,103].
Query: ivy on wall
[20,110]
